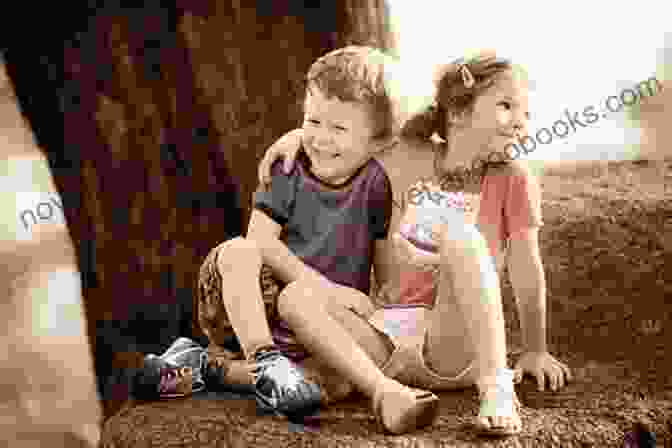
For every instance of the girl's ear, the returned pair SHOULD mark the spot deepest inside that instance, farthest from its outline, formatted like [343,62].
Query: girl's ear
[454,117]
[458,119]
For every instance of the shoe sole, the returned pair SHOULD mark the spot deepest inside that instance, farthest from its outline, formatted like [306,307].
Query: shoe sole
[404,419]
[496,432]
[172,396]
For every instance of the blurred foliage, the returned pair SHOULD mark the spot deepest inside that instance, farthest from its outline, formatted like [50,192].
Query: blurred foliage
[663,73]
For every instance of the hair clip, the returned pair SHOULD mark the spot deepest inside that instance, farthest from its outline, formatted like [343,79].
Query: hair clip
[467,77]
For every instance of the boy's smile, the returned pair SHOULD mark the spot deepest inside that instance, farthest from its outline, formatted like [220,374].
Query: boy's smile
[338,136]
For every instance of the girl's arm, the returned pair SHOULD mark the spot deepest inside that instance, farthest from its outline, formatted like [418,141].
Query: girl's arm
[287,147]
[529,284]
[523,212]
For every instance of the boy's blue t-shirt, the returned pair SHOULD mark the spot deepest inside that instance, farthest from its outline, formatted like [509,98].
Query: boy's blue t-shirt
[331,229]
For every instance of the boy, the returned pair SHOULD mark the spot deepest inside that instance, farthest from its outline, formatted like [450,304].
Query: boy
[335,208]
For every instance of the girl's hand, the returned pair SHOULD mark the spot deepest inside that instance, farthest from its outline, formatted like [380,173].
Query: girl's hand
[287,147]
[413,255]
[542,365]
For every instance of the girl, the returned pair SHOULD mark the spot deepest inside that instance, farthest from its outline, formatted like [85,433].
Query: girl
[435,333]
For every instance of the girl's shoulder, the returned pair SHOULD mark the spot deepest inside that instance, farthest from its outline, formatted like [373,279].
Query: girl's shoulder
[408,150]
[517,168]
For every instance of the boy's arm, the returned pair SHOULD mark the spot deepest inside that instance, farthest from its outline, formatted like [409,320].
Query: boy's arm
[285,265]
[273,206]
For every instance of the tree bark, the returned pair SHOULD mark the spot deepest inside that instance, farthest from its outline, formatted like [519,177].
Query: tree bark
[166,112]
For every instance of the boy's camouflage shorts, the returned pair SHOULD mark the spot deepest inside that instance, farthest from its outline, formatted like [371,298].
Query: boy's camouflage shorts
[214,322]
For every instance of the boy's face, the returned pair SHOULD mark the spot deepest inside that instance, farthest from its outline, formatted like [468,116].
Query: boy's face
[338,136]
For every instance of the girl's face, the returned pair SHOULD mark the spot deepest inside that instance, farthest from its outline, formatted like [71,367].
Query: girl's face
[498,118]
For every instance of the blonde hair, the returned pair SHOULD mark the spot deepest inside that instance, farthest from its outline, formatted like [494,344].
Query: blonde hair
[364,75]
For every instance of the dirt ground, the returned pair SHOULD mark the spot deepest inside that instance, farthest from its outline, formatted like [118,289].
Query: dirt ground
[606,243]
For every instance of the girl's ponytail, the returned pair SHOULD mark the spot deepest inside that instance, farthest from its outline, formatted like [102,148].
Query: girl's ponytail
[422,125]
[457,84]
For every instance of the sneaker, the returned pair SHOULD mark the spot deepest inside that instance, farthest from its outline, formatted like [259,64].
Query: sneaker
[281,388]
[226,374]
[158,379]
[186,353]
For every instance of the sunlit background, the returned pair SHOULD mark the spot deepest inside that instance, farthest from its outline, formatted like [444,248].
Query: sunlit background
[577,52]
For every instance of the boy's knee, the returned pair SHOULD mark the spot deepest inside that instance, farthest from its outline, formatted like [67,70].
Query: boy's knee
[236,251]
[296,297]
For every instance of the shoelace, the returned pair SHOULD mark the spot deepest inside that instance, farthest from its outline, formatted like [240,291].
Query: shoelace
[216,370]
[280,368]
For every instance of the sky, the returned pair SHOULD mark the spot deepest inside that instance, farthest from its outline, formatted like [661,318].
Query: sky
[577,52]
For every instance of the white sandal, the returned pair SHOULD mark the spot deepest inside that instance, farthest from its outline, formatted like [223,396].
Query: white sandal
[499,413]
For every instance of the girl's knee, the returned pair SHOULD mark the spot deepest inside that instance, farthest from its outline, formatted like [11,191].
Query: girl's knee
[462,244]
[237,252]
[466,235]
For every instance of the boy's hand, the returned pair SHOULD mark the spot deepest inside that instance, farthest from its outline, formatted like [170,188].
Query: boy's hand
[236,371]
[287,147]
[344,296]
[354,300]
[241,372]
[542,365]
